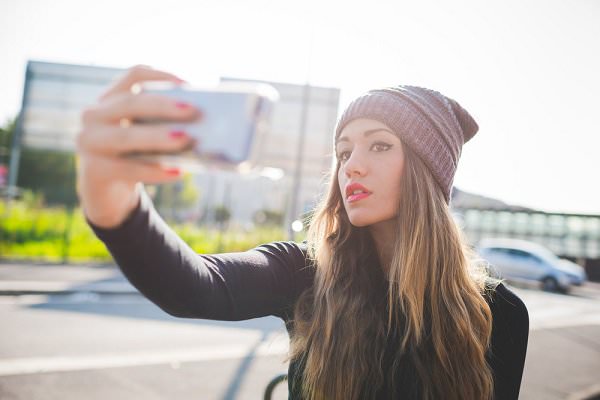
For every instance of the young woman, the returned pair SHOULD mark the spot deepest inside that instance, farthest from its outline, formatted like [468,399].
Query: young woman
[382,301]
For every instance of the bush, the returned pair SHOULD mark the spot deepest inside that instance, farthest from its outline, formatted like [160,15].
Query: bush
[268,218]
[31,231]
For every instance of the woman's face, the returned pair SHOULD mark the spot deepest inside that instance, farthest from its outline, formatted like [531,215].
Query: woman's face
[371,159]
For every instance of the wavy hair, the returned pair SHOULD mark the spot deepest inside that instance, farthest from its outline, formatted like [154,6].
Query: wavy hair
[429,301]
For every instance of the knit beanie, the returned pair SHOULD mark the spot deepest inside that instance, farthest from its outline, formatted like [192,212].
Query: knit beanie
[434,126]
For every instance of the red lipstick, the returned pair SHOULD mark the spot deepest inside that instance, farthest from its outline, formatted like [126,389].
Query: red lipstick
[352,197]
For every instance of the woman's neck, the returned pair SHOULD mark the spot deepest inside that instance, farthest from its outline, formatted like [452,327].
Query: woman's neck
[382,234]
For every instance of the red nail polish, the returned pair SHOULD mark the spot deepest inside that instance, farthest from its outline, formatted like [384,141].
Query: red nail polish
[173,171]
[177,134]
[182,105]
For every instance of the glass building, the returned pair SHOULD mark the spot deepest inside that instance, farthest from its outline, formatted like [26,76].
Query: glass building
[55,94]
[573,236]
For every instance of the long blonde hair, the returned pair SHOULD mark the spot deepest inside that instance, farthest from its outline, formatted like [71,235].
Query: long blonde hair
[433,293]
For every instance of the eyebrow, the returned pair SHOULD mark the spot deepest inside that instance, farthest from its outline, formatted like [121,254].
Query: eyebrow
[365,133]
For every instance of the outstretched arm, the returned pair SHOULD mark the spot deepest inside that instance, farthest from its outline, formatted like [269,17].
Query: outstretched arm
[230,286]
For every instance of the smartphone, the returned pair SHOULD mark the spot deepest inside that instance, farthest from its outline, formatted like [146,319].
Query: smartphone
[234,119]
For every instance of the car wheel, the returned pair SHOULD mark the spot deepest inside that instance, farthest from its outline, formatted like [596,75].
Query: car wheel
[549,284]
[565,289]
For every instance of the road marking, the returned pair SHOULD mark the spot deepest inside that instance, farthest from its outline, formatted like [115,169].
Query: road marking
[577,320]
[37,365]
[550,310]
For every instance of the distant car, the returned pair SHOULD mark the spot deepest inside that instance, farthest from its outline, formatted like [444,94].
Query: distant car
[520,260]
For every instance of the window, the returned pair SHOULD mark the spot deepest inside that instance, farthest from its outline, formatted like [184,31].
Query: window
[519,254]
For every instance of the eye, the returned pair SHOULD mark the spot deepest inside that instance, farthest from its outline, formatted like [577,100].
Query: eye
[341,156]
[381,146]
[378,146]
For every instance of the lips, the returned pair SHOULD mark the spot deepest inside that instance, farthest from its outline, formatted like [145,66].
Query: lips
[351,188]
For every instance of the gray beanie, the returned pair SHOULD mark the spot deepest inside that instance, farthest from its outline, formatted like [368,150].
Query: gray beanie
[434,126]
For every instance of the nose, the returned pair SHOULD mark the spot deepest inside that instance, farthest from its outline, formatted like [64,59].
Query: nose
[355,165]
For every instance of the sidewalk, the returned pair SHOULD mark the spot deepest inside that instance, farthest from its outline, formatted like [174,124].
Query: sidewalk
[18,278]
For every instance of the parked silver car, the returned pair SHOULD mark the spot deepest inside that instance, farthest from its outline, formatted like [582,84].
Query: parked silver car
[520,260]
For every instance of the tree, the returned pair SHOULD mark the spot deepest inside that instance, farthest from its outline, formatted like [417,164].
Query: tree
[222,214]
[6,136]
[48,172]
[268,218]
[177,196]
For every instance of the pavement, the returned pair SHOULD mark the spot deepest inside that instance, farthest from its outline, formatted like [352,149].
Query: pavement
[562,361]
[20,278]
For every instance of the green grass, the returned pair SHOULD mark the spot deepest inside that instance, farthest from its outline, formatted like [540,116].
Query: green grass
[33,232]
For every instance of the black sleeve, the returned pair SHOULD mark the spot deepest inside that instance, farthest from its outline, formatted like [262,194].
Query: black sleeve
[230,286]
[510,334]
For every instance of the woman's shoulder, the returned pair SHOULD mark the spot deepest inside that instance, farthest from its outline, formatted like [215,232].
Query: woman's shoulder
[291,253]
[290,257]
[506,304]
[510,336]
[288,249]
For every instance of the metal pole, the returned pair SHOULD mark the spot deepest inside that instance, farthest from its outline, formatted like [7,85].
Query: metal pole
[296,182]
[225,206]
[66,244]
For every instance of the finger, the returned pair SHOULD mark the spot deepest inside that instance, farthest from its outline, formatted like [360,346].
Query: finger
[111,140]
[152,173]
[137,74]
[111,169]
[140,106]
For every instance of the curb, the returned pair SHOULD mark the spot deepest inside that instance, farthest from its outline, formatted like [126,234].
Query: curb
[55,263]
[15,288]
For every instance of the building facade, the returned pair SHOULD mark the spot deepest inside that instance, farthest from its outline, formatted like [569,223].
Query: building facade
[302,123]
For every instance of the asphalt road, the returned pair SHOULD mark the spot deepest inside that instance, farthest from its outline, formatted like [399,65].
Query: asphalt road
[115,344]
[121,346]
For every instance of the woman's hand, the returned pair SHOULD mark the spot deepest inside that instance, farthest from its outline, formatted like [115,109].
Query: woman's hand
[106,181]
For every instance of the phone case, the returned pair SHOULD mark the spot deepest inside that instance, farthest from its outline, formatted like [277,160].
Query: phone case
[234,117]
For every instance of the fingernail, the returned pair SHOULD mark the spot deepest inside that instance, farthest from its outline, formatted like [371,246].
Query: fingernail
[173,171]
[182,105]
[177,134]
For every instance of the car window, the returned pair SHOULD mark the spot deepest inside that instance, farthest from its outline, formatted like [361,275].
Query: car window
[521,255]
[518,253]
[536,259]
[495,250]
[524,255]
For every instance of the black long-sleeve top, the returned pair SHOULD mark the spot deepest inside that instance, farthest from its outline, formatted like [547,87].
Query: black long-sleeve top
[267,280]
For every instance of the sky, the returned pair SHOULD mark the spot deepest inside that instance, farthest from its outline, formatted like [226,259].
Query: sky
[528,71]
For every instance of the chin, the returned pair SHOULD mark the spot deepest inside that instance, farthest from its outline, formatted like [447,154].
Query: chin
[360,221]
